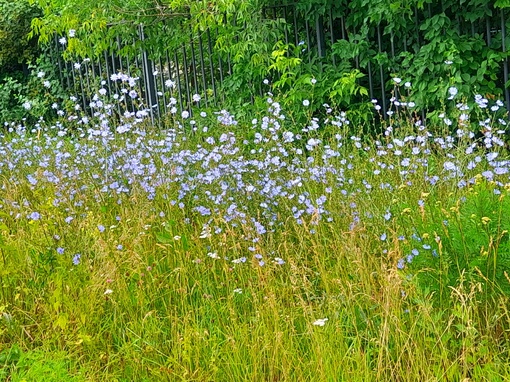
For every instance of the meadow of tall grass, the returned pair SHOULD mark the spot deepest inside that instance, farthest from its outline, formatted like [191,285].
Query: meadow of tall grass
[221,250]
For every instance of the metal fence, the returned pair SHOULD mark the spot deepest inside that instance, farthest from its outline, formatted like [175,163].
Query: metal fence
[328,29]
[192,69]
[197,68]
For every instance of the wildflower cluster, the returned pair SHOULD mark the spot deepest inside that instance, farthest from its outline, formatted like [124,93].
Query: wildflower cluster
[254,184]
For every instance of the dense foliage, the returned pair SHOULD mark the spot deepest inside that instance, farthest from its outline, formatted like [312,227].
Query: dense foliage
[17,52]
[433,44]
[15,25]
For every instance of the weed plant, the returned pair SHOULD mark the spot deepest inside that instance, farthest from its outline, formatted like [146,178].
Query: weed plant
[224,250]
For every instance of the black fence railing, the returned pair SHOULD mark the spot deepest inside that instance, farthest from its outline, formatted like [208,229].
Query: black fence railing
[321,34]
[163,81]
[197,68]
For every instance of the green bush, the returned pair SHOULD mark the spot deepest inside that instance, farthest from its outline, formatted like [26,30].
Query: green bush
[16,48]
[31,97]
[18,55]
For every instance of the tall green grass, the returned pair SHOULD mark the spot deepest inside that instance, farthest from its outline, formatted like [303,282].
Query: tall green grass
[161,292]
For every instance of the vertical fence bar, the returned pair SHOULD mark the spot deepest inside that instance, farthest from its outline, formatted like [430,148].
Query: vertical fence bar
[82,88]
[308,41]
[295,23]
[114,66]
[229,64]
[68,74]
[171,77]
[93,68]
[370,80]
[381,72]
[332,32]
[211,66]
[119,47]
[459,23]
[107,69]
[488,31]
[194,66]
[99,68]
[128,69]
[162,81]
[160,84]
[168,65]
[59,62]
[202,68]
[321,43]
[148,75]
[220,64]
[505,63]
[392,44]
[186,76]
[285,28]
[307,29]
[139,73]
[73,77]
[356,59]
[179,82]
[87,75]
[417,25]
[115,70]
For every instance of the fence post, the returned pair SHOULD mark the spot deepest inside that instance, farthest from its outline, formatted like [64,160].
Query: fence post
[505,63]
[321,43]
[148,77]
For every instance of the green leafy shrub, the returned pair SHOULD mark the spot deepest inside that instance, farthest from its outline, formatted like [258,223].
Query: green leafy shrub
[15,46]
[11,90]
[31,97]
[29,80]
